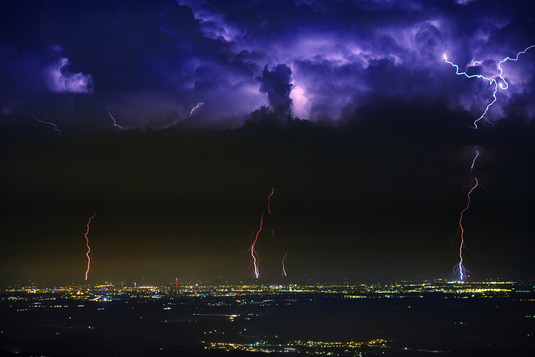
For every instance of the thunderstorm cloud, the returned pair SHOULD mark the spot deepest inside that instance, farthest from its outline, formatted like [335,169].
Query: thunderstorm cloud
[60,80]
[317,60]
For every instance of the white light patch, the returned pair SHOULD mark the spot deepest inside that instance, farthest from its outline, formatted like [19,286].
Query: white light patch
[301,109]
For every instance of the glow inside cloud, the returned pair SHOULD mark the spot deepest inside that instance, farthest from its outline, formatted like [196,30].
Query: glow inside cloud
[59,79]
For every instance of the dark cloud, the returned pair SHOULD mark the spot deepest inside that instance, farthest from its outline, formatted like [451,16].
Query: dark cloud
[20,74]
[276,84]
[341,55]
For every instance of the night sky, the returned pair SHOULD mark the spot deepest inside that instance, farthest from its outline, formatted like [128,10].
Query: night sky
[346,108]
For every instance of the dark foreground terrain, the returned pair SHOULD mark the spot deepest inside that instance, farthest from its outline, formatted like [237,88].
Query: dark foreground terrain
[289,323]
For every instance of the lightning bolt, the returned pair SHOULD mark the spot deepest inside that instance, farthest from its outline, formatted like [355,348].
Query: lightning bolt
[87,244]
[492,81]
[252,249]
[283,267]
[510,59]
[269,199]
[459,268]
[47,123]
[273,233]
[474,161]
[195,108]
[115,125]
[254,255]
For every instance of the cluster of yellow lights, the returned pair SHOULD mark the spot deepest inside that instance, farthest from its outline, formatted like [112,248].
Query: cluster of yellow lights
[308,347]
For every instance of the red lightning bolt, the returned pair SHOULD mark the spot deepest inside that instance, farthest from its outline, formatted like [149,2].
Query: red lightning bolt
[283,267]
[273,232]
[87,244]
[460,267]
[255,259]
[269,199]
[254,256]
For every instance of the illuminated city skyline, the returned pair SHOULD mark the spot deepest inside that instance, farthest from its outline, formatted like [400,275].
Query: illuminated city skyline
[190,317]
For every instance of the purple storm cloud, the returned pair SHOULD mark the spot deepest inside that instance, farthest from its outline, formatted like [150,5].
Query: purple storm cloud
[60,80]
[315,60]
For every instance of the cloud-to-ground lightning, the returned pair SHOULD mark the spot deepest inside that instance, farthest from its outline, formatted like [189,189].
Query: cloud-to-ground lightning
[115,125]
[283,266]
[492,81]
[459,268]
[254,255]
[87,244]
[47,123]
[252,249]
[195,108]
[273,233]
